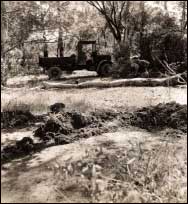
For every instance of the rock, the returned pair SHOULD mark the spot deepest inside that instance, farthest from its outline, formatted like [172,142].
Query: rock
[57,107]
[25,140]
[25,145]
[80,120]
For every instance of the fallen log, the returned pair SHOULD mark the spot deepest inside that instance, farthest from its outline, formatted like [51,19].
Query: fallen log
[57,85]
[167,81]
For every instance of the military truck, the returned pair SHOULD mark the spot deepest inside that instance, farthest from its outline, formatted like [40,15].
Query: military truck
[92,61]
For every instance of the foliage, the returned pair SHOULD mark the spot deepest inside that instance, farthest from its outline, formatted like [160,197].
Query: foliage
[122,51]
[113,12]
[173,47]
[148,31]
[3,72]
[162,33]
[156,35]
[137,175]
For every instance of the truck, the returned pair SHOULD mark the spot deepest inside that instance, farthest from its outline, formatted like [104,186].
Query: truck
[91,61]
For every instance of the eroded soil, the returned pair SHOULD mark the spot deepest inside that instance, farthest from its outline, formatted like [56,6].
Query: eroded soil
[67,127]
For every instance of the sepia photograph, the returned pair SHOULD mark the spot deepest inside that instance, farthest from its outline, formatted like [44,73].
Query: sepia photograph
[93,101]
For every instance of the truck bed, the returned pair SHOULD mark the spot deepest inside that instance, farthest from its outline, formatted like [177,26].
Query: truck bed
[63,62]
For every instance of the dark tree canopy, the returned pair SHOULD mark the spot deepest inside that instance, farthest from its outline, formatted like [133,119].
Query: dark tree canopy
[114,12]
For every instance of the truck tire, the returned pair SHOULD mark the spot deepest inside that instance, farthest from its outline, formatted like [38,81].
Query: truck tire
[54,73]
[105,69]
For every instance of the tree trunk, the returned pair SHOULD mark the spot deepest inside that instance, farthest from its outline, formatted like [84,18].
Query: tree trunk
[45,46]
[4,36]
[23,63]
[60,48]
[151,82]
[4,31]
[183,18]
[165,5]
[60,45]
[145,41]
[45,50]
[142,9]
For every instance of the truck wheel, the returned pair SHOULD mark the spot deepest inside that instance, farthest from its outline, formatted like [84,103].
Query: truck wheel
[54,73]
[105,69]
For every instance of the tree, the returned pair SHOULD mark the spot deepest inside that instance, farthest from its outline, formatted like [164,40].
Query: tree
[183,6]
[144,39]
[20,17]
[113,12]
[58,7]
[166,5]
[3,28]
[3,40]
[60,47]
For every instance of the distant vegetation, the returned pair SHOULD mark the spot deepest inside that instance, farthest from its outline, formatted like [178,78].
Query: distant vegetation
[150,31]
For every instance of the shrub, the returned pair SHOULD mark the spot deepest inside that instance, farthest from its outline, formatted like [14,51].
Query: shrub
[3,72]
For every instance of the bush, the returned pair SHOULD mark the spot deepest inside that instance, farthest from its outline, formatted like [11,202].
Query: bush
[161,37]
[122,57]
[173,47]
[4,72]
[122,51]
[125,67]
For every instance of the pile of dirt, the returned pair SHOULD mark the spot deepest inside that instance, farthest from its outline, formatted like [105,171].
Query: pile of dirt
[59,129]
[66,127]
[16,118]
[163,115]
[55,124]
[22,147]
[107,115]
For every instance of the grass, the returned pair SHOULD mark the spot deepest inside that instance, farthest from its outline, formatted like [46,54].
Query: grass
[41,105]
[85,99]
[16,106]
[102,175]
[137,176]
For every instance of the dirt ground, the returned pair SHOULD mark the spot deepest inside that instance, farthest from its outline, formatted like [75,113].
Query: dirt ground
[111,98]
[37,178]
[92,169]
